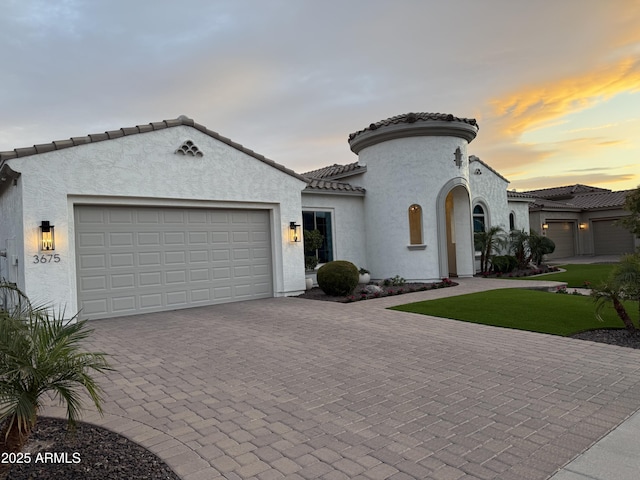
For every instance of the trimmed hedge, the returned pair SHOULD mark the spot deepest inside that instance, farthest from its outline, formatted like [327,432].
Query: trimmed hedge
[504,263]
[338,278]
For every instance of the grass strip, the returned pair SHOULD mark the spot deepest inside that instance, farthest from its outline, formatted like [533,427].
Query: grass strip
[521,309]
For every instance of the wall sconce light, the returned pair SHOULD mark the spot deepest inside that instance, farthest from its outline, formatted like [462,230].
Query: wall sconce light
[294,232]
[582,226]
[545,226]
[47,237]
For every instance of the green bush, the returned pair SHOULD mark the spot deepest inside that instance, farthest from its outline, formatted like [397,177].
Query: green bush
[338,278]
[504,263]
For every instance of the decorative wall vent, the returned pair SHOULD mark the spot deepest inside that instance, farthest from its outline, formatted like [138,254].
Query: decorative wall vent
[189,148]
[478,171]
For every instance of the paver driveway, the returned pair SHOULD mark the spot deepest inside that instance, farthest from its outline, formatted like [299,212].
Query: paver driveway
[291,388]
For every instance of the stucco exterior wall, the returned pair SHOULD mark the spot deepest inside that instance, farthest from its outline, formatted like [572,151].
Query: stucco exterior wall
[143,169]
[11,235]
[348,224]
[402,172]
[489,190]
[521,211]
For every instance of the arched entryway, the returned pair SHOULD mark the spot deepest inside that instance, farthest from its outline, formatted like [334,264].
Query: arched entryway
[455,231]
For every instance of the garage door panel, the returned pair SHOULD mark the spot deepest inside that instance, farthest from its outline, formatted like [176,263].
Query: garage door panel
[198,238]
[127,258]
[92,240]
[148,259]
[563,235]
[124,304]
[611,239]
[123,281]
[173,216]
[121,239]
[149,238]
[120,260]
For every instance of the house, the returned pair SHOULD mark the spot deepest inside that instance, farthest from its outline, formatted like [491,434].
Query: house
[582,220]
[173,215]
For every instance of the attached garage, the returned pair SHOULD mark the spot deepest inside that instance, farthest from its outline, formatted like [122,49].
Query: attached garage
[563,235]
[610,239]
[133,260]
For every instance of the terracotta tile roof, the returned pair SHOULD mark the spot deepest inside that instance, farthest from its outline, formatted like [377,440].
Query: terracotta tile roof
[547,204]
[588,201]
[412,118]
[599,199]
[335,171]
[512,194]
[330,186]
[566,191]
[99,137]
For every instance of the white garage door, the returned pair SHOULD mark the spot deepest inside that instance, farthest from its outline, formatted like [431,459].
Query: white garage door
[138,260]
[563,235]
[610,239]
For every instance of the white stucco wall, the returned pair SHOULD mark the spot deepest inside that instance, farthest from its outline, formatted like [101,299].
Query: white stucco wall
[143,169]
[521,211]
[11,235]
[490,190]
[402,172]
[348,224]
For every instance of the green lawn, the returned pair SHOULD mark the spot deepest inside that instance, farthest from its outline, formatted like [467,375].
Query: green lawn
[576,275]
[531,310]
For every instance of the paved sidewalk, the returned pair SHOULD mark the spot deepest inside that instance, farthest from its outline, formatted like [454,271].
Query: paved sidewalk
[299,389]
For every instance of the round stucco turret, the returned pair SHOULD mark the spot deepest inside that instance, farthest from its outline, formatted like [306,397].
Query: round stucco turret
[417,159]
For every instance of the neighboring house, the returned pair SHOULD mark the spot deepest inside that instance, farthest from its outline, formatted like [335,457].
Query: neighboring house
[582,220]
[172,215]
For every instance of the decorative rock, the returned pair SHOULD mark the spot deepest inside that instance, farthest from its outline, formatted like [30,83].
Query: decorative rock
[372,289]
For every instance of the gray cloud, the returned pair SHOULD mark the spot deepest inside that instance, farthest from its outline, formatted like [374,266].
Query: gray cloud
[287,78]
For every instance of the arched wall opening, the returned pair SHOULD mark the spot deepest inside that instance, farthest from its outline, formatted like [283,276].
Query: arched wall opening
[455,231]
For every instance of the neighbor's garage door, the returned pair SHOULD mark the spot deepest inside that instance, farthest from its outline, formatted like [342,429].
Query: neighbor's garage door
[610,239]
[138,260]
[563,235]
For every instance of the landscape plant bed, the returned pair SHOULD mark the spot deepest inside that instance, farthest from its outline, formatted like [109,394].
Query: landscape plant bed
[387,291]
[520,273]
[102,455]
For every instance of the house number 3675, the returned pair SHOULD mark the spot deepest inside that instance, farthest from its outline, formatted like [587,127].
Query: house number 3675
[47,258]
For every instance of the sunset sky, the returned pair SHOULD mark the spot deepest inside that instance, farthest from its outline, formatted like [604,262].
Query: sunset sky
[554,85]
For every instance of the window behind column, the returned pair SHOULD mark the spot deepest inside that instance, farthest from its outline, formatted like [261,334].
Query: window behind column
[321,221]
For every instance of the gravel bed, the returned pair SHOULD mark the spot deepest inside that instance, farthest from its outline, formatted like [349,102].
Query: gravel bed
[612,336]
[100,455]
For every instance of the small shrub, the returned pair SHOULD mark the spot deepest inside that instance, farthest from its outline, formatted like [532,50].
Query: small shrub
[338,278]
[396,281]
[504,263]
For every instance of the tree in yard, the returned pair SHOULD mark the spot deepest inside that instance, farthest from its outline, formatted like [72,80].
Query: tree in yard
[40,354]
[488,243]
[539,246]
[632,204]
[623,284]
[519,247]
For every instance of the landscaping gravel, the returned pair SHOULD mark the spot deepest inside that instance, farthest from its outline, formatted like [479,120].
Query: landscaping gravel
[619,337]
[100,454]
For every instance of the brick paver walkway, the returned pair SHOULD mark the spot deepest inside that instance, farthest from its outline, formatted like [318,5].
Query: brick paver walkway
[297,389]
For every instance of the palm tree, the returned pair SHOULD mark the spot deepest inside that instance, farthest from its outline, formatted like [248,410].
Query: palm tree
[611,293]
[487,243]
[627,274]
[40,353]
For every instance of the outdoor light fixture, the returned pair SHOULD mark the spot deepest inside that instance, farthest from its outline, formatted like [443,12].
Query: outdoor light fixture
[47,237]
[582,226]
[294,232]
[545,226]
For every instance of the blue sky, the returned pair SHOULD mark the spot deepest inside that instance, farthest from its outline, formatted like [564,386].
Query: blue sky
[555,86]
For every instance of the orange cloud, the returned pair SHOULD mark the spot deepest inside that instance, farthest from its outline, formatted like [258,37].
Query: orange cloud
[538,105]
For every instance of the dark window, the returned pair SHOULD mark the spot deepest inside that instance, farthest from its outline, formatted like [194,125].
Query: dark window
[512,221]
[478,219]
[320,221]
